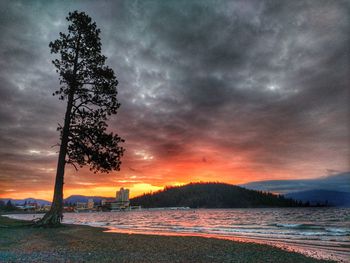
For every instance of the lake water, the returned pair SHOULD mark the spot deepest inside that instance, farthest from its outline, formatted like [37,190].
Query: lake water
[318,232]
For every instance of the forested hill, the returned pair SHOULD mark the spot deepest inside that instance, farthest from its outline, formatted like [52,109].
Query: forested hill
[211,195]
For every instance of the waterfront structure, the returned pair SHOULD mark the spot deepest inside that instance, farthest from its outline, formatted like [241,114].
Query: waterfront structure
[122,198]
[107,201]
[90,204]
[81,206]
[121,201]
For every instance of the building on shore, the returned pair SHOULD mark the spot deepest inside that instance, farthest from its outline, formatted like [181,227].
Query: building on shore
[121,202]
[122,198]
[90,204]
[81,206]
[105,202]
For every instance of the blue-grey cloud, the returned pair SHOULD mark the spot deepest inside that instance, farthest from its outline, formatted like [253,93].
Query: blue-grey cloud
[263,79]
[339,182]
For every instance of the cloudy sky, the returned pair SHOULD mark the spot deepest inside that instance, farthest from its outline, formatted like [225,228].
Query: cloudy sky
[232,91]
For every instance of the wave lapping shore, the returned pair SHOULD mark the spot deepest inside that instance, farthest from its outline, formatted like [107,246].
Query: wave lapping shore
[73,243]
[318,232]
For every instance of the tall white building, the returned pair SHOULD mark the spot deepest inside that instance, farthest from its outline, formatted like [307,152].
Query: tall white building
[122,197]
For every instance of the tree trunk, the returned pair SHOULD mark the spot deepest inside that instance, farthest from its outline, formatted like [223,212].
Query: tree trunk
[55,215]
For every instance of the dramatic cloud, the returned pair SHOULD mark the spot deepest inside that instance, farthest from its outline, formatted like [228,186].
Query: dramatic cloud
[339,182]
[232,91]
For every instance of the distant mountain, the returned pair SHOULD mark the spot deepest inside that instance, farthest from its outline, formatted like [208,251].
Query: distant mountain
[339,182]
[334,198]
[211,195]
[27,200]
[81,198]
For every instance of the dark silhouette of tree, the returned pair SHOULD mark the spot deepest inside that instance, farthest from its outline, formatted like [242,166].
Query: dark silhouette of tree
[9,203]
[9,206]
[90,90]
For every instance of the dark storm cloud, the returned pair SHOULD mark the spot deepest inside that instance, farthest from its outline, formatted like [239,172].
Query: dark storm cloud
[266,79]
[278,70]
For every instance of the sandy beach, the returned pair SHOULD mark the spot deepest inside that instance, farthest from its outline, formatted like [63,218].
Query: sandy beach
[72,243]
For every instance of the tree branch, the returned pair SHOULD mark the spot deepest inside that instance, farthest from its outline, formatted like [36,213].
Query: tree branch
[82,104]
[72,163]
[88,83]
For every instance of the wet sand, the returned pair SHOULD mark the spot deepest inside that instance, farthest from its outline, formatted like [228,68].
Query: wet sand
[73,243]
[309,247]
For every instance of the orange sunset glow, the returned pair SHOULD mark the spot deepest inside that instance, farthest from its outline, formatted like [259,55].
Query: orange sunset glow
[205,96]
[174,131]
[142,175]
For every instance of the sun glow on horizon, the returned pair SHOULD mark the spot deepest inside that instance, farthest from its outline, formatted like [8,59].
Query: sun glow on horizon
[146,175]
[105,191]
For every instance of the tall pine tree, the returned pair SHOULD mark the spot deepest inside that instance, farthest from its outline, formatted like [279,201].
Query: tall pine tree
[89,87]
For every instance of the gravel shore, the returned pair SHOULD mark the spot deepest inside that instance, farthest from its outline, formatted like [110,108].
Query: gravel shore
[72,243]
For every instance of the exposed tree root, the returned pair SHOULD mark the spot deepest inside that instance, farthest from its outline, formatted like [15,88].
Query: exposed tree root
[51,219]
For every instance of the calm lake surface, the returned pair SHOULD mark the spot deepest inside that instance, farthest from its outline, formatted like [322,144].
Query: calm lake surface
[318,232]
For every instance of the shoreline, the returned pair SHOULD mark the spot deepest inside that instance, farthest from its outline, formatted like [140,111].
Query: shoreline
[77,243]
[309,248]
[315,247]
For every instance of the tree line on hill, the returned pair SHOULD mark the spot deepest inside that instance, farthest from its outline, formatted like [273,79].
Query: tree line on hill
[213,195]
[8,206]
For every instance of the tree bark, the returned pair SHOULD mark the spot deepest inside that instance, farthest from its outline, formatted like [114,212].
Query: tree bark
[55,215]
